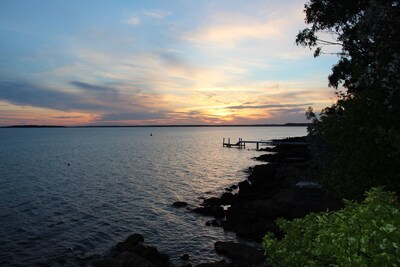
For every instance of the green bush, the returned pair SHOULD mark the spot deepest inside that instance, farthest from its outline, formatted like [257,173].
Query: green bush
[360,234]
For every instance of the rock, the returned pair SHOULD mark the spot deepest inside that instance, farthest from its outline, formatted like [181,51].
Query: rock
[245,217]
[269,192]
[180,204]
[185,257]
[244,187]
[242,254]
[151,254]
[130,243]
[262,227]
[217,212]
[226,198]
[132,252]
[233,187]
[213,201]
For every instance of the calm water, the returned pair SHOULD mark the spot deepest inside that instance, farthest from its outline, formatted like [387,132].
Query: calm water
[77,191]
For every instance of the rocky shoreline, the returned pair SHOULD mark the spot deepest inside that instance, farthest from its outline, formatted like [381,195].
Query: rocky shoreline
[276,189]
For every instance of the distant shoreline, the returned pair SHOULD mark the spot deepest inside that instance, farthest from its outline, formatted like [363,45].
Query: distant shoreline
[161,126]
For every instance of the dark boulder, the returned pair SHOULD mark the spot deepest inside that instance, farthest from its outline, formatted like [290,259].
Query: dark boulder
[244,187]
[130,243]
[152,254]
[180,204]
[132,252]
[216,211]
[185,257]
[212,201]
[241,254]
[231,188]
[226,198]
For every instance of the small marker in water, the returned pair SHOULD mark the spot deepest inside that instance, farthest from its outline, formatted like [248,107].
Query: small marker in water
[151,134]
[69,164]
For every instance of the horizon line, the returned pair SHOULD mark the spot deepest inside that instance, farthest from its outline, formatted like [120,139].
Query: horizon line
[160,125]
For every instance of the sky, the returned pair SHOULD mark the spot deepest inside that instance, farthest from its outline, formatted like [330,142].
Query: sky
[157,62]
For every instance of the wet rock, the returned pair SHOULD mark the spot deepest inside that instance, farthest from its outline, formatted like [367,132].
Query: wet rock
[180,204]
[226,198]
[231,188]
[211,207]
[130,243]
[244,187]
[242,254]
[152,254]
[132,252]
[265,172]
[185,257]
[298,202]
[269,192]
[213,201]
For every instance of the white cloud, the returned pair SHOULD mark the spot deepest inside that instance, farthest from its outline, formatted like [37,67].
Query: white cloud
[133,21]
[158,14]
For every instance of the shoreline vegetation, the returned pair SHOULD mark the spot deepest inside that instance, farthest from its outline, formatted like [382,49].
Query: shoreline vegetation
[277,188]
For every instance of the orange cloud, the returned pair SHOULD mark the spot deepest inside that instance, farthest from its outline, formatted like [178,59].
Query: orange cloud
[15,115]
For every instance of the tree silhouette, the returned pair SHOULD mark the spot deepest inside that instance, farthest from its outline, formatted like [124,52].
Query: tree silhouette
[362,129]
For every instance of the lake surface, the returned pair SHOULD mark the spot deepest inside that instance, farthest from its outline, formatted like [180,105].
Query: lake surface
[69,192]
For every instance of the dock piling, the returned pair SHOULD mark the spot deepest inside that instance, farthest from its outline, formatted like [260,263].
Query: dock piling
[242,144]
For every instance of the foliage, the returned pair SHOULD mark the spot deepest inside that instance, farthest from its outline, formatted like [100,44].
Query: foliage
[363,150]
[360,234]
[368,32]
[360,133]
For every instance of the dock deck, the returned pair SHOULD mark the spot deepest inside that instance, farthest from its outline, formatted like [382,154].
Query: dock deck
[242,143]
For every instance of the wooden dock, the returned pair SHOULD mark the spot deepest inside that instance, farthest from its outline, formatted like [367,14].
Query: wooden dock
[242,143]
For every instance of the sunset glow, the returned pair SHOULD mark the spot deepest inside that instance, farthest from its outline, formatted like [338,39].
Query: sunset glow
[157,62]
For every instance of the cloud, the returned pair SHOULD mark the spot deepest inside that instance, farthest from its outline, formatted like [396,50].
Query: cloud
[269,106]
[134,21]
[94,97]
[217,62]
[158,14]
[139,115]
[91,87]
[233,33]
[68,117]
[269,35]
[25,93]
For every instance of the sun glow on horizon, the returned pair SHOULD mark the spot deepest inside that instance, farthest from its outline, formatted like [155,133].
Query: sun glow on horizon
[157,63]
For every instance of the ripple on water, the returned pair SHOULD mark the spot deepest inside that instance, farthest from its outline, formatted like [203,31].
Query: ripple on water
[76,191]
